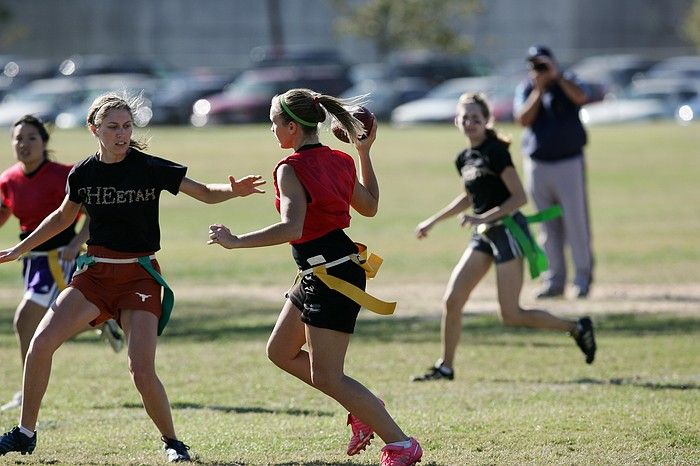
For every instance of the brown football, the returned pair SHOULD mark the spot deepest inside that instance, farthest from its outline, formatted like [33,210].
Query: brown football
[364,115]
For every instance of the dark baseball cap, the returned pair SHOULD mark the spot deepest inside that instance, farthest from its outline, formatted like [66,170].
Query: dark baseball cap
[537,51]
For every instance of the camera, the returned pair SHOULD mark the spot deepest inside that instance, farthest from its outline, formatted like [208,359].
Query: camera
[540,67]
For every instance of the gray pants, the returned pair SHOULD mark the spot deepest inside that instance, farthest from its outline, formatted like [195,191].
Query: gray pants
[564,183]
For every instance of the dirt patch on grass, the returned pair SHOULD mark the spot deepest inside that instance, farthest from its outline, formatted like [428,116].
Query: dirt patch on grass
[425,298]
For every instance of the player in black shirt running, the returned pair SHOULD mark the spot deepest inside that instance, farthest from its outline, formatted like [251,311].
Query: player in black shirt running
[493,190]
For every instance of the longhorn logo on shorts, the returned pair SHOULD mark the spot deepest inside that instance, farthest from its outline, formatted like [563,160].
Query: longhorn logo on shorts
[143,296]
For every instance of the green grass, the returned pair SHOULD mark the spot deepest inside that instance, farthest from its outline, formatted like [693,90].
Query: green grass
[521,396]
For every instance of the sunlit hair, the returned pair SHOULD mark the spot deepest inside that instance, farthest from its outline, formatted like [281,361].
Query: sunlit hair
[313,108]
[112,101]
[480,100]
[40,127]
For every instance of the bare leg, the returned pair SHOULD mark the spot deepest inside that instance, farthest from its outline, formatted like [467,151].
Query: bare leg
[327,349]
[141,330]
[323,369]
[470,269]
[509,279]
[27,318]
[69,314]
[285,343]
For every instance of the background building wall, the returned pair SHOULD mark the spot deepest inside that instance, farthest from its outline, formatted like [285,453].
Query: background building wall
[221,33]
[580,28]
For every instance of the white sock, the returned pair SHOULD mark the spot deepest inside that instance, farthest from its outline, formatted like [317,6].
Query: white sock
[25,431]
[402,443]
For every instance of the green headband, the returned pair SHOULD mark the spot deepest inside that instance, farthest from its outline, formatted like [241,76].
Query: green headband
[294,117]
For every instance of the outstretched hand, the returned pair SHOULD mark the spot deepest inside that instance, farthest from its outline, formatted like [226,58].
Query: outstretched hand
[221,235]
[247,185]
[423,228]
[8,255]
[470,220]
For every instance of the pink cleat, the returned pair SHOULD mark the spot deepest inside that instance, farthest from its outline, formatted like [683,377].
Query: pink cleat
[393,455]
[362,434]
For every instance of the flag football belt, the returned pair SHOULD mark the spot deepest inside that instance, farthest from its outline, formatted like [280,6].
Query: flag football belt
[54,266]
[369,262]
[536,258]
[145,262]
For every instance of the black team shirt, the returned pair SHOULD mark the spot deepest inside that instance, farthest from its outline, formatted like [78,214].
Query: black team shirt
[122,199]
[481,168]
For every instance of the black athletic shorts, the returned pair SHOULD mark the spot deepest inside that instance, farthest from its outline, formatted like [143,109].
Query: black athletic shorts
[499,242]
[319,305]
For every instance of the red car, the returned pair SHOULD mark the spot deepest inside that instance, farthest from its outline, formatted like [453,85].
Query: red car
[247,99]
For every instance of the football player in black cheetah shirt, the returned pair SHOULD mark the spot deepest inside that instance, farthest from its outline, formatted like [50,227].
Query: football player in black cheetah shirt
[119,187]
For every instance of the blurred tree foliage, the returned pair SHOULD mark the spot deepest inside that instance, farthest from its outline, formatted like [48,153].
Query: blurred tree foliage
[400,24]
[691,25]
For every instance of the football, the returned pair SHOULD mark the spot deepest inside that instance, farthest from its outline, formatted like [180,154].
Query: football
[364,115]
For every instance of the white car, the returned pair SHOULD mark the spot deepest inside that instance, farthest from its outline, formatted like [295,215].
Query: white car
[43,98]
[128,85]
[649,99]
[440,104]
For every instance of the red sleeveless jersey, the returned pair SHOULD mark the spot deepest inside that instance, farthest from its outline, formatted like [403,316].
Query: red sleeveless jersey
[328,176]
[32,198]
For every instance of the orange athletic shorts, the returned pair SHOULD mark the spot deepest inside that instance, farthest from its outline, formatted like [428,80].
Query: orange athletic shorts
[116,287]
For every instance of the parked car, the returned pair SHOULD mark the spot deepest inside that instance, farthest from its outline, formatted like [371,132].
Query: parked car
[612,72]
[43,98]
[172,101]
[688,112]
[440,104]
[648,99]
[16,72]
[290,55]
[433,66]
[83,65]
[683,67]
[132,86]
[247,99]
[383,95]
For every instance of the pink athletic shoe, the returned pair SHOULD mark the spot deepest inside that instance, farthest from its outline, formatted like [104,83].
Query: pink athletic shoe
[362,434]
[399,456]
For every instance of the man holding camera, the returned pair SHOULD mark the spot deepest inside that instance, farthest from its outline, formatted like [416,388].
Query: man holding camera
[547,106]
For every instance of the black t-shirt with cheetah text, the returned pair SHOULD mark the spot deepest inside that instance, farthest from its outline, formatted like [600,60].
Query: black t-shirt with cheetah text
[481,168]
[122,198]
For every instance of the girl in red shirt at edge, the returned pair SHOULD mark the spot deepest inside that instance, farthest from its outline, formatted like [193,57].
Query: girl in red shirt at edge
[315,188]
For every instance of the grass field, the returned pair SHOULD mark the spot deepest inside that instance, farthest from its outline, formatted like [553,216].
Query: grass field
[520,397]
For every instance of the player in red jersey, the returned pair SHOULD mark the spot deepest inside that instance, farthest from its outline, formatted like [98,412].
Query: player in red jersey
[315,188]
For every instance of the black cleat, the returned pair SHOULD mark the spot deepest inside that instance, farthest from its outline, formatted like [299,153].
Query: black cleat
[585,339]
[435,373]
[175,450]
[15,440]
